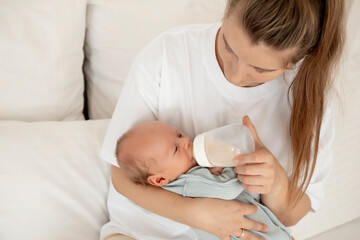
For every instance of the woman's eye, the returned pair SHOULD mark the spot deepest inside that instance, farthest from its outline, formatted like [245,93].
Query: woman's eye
[180,135]
[259,70]
[228,48]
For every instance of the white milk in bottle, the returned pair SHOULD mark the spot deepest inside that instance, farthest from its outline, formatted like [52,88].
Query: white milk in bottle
[218,147]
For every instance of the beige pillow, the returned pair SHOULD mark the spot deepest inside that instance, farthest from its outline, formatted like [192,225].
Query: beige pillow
[41,49]
[118,30]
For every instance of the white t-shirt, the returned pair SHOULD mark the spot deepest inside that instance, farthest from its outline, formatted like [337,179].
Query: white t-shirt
[177,79]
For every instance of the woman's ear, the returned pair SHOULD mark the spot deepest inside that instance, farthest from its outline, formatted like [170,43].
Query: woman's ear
[157,180]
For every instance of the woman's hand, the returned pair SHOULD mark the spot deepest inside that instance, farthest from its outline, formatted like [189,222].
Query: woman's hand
[223,218]
[259,171]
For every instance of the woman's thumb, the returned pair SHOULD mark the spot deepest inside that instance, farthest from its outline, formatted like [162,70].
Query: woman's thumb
[247,123]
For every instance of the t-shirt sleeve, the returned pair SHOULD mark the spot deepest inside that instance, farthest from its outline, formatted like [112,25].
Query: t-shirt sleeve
[138,101]
[315,190]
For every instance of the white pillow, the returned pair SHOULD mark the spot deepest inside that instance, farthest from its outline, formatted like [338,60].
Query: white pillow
[117,30]
[41,49]
[53,185]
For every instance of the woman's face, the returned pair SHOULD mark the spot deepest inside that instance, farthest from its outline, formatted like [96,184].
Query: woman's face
[243,63]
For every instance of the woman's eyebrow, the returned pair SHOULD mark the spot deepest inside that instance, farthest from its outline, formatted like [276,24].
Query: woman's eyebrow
[258,68]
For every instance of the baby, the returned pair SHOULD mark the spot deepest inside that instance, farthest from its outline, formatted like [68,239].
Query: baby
[158,154]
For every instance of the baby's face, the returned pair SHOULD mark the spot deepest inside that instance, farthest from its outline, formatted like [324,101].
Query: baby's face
[170,150]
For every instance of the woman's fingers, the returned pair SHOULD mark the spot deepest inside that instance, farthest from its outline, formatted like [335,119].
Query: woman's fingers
[251,180]
[247,158]
[248,209]
[261,155]
[255,226]
[245,235]
[224,218]
[248,236]
[260,189]
[226,238]
[254,169]
[256,178]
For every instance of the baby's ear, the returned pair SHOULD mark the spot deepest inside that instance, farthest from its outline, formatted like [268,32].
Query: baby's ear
[157,180]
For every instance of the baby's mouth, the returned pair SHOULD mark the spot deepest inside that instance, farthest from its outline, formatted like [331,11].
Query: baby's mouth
[193,160]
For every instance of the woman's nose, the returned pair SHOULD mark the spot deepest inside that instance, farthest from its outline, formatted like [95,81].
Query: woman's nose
[240,73]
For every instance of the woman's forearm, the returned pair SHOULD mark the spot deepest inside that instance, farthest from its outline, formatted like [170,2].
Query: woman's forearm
[154,199]
[215,216]
[278,202]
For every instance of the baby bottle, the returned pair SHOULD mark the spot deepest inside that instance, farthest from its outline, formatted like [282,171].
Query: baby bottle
[218,147]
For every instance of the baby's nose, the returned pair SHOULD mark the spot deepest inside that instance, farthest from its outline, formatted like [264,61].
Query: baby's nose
[188,143]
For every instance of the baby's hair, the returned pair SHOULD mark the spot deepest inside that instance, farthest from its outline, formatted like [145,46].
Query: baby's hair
[133,167]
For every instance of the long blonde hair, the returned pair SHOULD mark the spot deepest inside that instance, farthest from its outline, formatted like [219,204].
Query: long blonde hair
[315,28]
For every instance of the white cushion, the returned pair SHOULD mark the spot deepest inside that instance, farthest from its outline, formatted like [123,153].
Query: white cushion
[41,49]
[53,185]
[117,30]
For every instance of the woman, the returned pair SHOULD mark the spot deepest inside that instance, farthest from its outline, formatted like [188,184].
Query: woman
[269,59]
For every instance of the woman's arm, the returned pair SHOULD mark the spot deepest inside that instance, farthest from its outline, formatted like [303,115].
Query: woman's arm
[277,202]
[218,217]
[150,197]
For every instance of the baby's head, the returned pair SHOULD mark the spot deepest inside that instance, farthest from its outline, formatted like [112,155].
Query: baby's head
[154,153]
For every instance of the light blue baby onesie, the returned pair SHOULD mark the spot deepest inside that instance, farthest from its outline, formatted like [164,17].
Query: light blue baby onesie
[199,182]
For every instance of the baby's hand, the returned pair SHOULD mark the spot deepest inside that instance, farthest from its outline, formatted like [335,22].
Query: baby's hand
[216,170]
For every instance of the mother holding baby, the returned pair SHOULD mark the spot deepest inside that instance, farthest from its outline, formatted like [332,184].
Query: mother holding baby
[269,59]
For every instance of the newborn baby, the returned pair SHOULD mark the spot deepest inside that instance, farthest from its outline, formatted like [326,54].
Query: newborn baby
[158,154]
